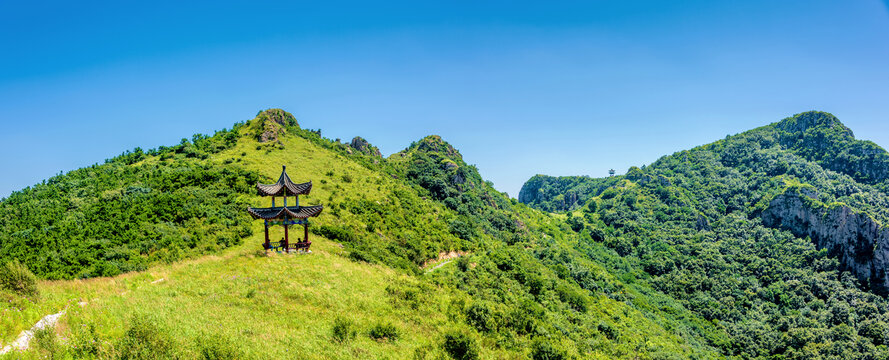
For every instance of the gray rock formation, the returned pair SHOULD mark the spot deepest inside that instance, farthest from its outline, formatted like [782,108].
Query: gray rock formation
[271,123]
[363,146]
[855,238]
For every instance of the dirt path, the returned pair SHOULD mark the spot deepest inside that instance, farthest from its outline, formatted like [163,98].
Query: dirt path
[24,340]
[446,256]
[439,265]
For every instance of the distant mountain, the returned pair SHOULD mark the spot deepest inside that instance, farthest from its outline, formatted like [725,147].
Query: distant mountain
[550,193]
[778,234]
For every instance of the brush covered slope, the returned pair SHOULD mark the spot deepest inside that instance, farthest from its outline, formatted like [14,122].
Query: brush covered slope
[775,235]
[381,283]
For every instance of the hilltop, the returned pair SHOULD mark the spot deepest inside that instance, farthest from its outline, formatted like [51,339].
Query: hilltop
[766,244]
[158,248]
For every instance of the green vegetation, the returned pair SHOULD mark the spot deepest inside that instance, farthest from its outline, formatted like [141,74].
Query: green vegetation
[107,219]
[688,226]
[15,277]
[343,329]
[669,261]
[562,193]
[460,345]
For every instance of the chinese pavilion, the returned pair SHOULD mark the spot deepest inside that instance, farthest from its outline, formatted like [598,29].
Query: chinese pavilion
[286,215]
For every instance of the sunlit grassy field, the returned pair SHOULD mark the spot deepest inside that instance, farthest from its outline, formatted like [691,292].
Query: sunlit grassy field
[267,306]
[280,306]
[243,303]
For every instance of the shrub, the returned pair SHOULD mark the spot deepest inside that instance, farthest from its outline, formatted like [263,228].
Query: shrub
[215,347]
[480,316]
[542,349]
[46,341]
[145,340]
[609,331]
[405,293]
[576,299]
[85,342]
[462,229]
[463,263]
[460,345]
[335,233]
[343,329]
[384,331]
[592,206]
[17,278]
[576,223]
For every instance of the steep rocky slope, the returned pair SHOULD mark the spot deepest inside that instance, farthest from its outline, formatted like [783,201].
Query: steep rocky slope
[855,238]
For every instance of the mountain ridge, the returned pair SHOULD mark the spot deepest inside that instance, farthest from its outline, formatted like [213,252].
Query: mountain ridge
[688,257]
[506,298]
[815,135]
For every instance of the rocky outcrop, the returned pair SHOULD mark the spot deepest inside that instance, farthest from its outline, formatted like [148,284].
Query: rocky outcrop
[434,144]
[802,122]
[363,146]
[855,238]
[271,123]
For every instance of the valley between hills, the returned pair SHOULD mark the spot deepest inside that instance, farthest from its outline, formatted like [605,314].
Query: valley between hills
[768,244]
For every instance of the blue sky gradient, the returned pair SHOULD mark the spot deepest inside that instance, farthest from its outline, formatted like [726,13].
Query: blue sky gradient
[559,88]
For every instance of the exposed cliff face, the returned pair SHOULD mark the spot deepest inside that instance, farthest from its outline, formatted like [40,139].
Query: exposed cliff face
[530,191]
[855,238]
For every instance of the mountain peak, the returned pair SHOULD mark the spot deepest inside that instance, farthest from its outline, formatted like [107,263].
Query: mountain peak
[270,123]
[805,121]
[363,146]
[434,143]
[278,116]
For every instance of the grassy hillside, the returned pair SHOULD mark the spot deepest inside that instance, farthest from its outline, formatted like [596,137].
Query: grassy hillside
[672,260]
[529,285]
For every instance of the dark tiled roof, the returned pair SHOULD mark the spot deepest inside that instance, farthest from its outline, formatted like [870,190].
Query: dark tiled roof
[290,212]
[284,186]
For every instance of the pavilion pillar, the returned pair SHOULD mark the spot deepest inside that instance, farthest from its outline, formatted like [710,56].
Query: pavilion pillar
[286,237]
[267,241]
[306,228]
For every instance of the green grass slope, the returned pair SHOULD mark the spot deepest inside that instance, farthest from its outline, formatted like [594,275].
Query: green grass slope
[528,287]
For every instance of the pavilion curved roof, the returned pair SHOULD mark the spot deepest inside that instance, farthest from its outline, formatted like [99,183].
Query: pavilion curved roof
[290,212]
[284,186]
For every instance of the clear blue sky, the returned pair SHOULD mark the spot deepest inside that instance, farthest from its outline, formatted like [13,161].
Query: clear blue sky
[558,88]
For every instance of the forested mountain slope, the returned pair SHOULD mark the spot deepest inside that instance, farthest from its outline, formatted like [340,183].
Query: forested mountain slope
[702,254]
[527,286]
[776,235]
[550,193]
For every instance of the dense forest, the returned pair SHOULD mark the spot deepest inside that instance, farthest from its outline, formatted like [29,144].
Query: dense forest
[690,225]
[562,193]
[689,257]
[137,208]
